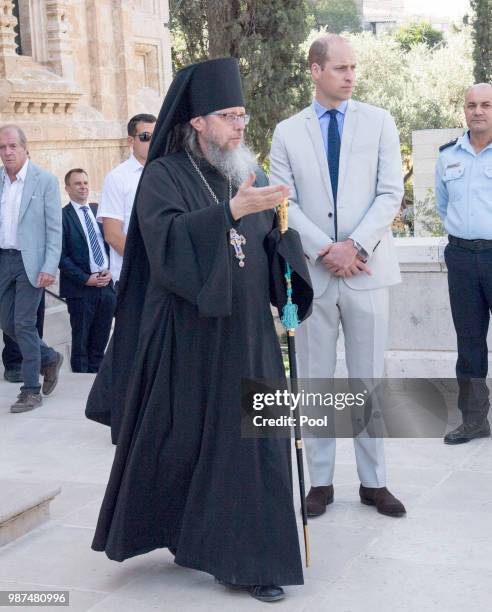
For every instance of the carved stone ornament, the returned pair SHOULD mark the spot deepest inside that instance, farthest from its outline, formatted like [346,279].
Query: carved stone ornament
[35,89]
[25,85]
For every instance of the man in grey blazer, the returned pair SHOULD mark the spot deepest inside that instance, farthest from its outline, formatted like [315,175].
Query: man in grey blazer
[30,247]
[341,159]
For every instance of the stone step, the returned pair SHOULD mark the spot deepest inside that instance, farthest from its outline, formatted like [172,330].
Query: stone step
[57,325]
[23,507]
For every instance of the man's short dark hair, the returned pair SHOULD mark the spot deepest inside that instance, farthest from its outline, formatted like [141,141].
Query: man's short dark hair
[134,121]
[320,49]
[68,175]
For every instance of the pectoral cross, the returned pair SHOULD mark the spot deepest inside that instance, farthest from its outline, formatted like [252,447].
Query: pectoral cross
[237,240]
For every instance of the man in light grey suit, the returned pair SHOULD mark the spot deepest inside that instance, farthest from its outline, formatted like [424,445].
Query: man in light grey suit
[341,159]
[30,248]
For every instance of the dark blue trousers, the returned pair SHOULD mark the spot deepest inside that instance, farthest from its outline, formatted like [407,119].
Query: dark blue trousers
[90,318]
[470,294]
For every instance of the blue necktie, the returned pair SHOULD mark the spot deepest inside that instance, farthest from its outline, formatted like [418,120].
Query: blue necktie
[334,158]
[96,249]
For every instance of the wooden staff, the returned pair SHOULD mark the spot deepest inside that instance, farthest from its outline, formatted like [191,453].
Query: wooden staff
[290,321]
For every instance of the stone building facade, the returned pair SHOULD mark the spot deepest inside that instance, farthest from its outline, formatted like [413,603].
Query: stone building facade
[73,72]
[383,15]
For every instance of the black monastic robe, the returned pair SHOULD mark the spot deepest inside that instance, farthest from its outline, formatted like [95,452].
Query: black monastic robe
[190,325]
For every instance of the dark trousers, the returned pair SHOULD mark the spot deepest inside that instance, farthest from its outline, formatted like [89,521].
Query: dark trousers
[19,302]
[90,318]
[11,354]
[470,294]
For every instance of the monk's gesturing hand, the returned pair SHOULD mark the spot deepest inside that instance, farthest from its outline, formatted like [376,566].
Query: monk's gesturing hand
[249,199]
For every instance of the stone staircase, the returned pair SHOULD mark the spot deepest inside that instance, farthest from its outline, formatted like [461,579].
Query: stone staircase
[23,507]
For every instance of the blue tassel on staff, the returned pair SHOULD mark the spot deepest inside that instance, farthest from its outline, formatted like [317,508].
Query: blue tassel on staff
[290,318]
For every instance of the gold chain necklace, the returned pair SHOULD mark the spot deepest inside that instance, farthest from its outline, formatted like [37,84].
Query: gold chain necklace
[235,239]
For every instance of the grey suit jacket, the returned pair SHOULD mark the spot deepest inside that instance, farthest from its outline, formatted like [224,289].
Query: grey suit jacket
[370,189]
[39,230]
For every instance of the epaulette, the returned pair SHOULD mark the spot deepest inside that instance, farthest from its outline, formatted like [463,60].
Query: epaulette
[448,144]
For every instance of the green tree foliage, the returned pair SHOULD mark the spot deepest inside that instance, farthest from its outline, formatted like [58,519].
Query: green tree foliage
[418,32]
[423,88]
[482,39]
[265,35]
[336,16]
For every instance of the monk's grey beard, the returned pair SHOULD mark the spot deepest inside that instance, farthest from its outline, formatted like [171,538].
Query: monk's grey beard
[236,164]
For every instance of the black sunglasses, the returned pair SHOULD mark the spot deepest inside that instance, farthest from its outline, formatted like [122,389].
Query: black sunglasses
[144,136]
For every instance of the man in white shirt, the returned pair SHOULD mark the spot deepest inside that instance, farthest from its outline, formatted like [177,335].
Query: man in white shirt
[119,189]
[85,280]
[30,246]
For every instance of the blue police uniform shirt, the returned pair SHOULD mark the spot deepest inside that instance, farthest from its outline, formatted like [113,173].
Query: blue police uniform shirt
[464,190]
[324,119]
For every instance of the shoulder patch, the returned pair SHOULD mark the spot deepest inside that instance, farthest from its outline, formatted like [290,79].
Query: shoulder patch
[448,144]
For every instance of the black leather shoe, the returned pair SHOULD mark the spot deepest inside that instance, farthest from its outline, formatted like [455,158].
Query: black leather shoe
[385,502]
[267,593]
[263,593]
[13,376]
[317,499]
[466,432]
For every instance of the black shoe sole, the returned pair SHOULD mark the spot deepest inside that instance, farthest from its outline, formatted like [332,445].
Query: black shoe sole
[465,440]
[268,599]
[368,502]
[239,587]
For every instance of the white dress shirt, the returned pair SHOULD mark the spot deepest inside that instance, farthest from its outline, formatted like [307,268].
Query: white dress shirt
[10,207]
[80,214]
[117,196]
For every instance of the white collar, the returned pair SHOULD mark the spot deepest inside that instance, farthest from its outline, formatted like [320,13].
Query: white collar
[136,165]
[78,206]
[20,176]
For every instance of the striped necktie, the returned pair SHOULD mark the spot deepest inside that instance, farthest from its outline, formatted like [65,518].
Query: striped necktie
[96,249]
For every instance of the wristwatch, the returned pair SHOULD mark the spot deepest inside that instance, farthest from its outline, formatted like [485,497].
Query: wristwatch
[361,252]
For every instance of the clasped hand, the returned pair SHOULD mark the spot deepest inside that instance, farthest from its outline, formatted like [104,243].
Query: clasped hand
[99,279]
[342,259]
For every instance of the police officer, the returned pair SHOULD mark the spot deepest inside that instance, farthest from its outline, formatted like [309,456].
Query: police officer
[464,202]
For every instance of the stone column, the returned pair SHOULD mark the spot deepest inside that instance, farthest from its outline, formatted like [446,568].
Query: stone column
[60,56]
[8,22]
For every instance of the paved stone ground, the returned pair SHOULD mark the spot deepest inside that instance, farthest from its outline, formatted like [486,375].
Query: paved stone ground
[438,558]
